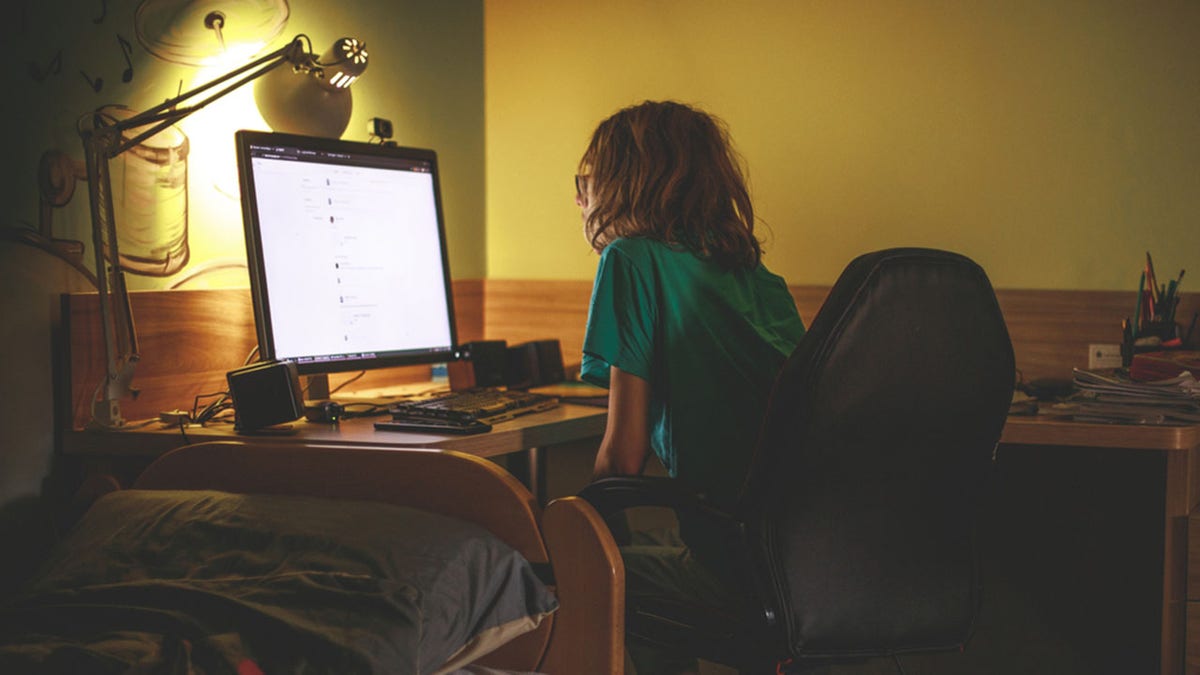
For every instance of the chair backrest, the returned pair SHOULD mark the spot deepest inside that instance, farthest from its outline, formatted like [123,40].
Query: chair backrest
[877,444]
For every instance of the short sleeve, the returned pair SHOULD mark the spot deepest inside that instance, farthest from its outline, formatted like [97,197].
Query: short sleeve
[621,319]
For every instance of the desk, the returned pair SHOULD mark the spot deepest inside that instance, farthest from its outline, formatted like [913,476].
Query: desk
[1179,449]
[531,433]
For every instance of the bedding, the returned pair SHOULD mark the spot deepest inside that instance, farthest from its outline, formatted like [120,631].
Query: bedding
[214,582]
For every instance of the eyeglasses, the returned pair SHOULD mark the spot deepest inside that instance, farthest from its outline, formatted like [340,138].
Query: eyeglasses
[581,186]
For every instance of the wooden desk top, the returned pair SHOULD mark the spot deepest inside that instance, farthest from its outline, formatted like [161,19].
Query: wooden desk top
[1049,430]
[563,424]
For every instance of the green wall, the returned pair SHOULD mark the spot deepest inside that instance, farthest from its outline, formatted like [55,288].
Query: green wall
[1053,141]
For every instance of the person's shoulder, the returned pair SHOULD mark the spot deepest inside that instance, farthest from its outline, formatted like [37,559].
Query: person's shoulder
[636,250]
[647,249]
[633,246]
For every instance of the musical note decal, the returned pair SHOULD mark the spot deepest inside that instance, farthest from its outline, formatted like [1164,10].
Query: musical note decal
[53,68]
[126,50]
[96,85]
[103,12]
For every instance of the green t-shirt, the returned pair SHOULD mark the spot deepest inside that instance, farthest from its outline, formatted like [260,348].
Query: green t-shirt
[710,343]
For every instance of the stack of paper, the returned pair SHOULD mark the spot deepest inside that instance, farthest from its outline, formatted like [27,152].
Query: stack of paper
[1111,396]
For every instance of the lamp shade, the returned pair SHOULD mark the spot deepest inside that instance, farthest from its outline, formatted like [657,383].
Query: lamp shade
[316,102]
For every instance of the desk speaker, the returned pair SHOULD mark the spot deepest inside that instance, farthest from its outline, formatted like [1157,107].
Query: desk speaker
[483,363]
[533,364]
[264,394]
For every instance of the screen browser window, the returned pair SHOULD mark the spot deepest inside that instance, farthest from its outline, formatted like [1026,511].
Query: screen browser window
[346,248]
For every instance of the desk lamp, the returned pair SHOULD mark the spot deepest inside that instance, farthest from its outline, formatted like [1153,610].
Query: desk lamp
[313,99]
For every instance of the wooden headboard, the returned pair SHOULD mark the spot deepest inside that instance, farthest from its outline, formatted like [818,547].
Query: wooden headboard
[190,339]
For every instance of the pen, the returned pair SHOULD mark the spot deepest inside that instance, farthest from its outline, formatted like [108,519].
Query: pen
[1151,281]
[1168,302]
[1137,312]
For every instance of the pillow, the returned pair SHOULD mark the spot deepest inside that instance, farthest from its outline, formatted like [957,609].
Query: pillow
[292,583]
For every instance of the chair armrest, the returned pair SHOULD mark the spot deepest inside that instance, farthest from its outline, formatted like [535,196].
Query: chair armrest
[610,496]
[617,493]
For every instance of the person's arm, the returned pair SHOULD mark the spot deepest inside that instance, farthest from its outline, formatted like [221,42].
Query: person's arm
[626,444]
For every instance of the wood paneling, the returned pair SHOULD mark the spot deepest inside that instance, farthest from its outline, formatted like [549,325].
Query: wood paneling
[206,333]
[1050,330]
[189,339]
[519,311]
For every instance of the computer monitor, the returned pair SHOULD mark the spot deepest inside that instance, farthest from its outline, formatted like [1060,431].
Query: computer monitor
[346,248]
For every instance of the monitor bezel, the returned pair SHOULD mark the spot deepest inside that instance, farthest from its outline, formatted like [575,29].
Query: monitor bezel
[260,297]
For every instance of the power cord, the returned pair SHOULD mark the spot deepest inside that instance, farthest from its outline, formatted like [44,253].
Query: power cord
[353,379]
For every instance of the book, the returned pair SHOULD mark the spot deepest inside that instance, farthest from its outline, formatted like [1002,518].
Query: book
[1162,365]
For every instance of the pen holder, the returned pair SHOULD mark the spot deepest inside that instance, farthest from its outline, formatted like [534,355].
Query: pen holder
[1150,339]
[1163,330]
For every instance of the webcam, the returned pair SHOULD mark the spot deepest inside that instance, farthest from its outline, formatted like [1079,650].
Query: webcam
[380,128]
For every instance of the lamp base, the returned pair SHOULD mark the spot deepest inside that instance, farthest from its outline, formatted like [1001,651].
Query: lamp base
[107,413]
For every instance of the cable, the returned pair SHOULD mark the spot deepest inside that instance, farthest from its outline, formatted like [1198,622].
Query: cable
[372,410]
[353,379]
[896,660]
[202,416]
[183,432]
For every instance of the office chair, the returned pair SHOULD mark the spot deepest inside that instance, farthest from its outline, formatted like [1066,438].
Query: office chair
[855,530]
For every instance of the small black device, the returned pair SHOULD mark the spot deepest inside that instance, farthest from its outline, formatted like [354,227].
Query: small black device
[380,128]
[265,394]
[325,412]
[533,364]
[482,363]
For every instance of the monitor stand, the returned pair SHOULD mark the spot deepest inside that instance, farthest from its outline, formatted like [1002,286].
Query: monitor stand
[316,387]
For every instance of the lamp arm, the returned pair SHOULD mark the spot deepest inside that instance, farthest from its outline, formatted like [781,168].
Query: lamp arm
[103,142]
[116,316]
[168,112]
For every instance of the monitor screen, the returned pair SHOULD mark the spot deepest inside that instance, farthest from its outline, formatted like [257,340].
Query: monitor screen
[346,249]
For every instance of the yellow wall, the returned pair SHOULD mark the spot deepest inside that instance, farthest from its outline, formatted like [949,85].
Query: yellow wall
[1053,141]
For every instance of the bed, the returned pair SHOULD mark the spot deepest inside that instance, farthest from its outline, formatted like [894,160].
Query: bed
[248,557]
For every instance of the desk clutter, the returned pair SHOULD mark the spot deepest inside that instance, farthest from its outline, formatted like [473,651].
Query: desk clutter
[1157,383]
[1112,396]
[1154,326]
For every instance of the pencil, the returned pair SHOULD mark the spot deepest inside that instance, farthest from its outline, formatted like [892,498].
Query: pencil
[1137,312]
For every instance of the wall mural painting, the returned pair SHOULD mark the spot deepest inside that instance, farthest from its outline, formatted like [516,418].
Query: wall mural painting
[149,181]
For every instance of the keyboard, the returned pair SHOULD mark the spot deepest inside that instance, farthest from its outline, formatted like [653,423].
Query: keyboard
[473,406]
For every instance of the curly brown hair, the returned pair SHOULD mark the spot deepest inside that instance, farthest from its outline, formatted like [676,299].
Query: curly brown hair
[667,171]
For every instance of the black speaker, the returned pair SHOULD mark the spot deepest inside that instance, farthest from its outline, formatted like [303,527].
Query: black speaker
[483,363]
[532,364]
[264,394]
